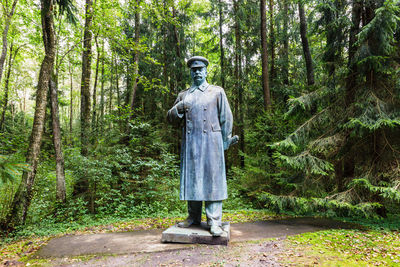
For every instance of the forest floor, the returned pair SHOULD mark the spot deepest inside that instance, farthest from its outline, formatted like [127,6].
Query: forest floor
[323,247]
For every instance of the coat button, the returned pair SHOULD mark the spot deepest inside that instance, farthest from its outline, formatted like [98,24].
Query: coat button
[204,131]
[188,132]
[205,108]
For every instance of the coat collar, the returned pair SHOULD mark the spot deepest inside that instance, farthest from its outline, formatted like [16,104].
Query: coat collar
[202,87]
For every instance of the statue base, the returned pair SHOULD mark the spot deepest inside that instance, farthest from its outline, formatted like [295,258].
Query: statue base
[196,234]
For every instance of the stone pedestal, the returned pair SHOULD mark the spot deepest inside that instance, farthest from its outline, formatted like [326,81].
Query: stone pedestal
[199,234]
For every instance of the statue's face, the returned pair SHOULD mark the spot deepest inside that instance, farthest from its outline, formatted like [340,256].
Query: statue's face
[198,74]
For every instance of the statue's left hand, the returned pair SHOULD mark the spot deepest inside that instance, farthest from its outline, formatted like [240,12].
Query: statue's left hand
[234,140]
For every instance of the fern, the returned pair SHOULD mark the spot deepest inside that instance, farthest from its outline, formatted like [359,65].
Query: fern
[306,162]
[318,206]
[373,113]
[10,169]
[388,193]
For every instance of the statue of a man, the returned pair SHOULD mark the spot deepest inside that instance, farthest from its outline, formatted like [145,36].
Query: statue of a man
[204,112]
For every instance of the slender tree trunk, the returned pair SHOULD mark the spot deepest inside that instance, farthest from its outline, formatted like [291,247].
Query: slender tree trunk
[60,174]
[272,38]
[8,16]
[82,185]
[331,33]
[94,108]
[373,43]
[238,73]
[117,85]
[346,165]
[136,61]
[11,61]
[6,86]
[264,56]
[306,48]
[23,196]
[102,104]
[85,84]
[71,101]
[221,45]
[179,65]
[170,97]
[129,70]
[285,65]
[110,95]
[354,30]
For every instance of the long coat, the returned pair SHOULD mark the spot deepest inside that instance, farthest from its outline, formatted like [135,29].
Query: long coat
[207,128]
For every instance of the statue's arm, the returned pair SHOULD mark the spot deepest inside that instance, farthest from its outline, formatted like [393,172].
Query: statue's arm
[176,113]
[225,119]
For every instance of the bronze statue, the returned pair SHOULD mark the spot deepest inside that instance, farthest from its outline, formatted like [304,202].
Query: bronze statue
[205,116]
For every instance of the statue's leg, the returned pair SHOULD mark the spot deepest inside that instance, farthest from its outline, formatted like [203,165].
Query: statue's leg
[194,218]
[214,216]
[214,212]
[194,210]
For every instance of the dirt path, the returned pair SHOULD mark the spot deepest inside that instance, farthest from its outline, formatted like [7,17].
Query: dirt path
[260,253]
[252,244]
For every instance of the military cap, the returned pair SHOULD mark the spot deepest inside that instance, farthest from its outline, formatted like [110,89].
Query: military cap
[197,61]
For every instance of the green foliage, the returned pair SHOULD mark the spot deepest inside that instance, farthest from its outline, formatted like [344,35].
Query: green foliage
[318,206]
[364,186]
[10,169]
[374,114]
[67,8]
[332,147]
[306,162]
[338,124]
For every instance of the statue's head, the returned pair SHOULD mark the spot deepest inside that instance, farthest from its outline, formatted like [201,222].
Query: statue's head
[198,69]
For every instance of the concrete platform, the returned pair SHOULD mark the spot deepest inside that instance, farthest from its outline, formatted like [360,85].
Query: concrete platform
[196,235]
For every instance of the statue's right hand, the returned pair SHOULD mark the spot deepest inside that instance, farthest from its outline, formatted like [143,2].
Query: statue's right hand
[180,106]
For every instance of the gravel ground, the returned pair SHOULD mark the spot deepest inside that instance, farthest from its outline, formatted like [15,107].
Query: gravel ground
[258,253]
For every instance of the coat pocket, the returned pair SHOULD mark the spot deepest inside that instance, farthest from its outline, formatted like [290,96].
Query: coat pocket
[216,127]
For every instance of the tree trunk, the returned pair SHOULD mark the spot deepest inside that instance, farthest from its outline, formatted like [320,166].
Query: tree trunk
[85,84]
[238,73]
[110,95]
[94,111]
[306,48]
[101,119]
[179,66]
[221,45]
[6,86]
[264,56]
[135,61]
[71,98]
[329,55]
[285,65]
[60,174]
[272,38]
[354,30]
[373,43]
[23,196]
[82,185]
[117,85]
[8,16]
[11,61]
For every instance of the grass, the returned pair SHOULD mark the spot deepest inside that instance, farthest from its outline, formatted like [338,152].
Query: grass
[344,248]
[378,244]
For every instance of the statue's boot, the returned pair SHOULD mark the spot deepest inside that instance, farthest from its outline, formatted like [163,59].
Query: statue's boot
[216,230]
[187,223]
